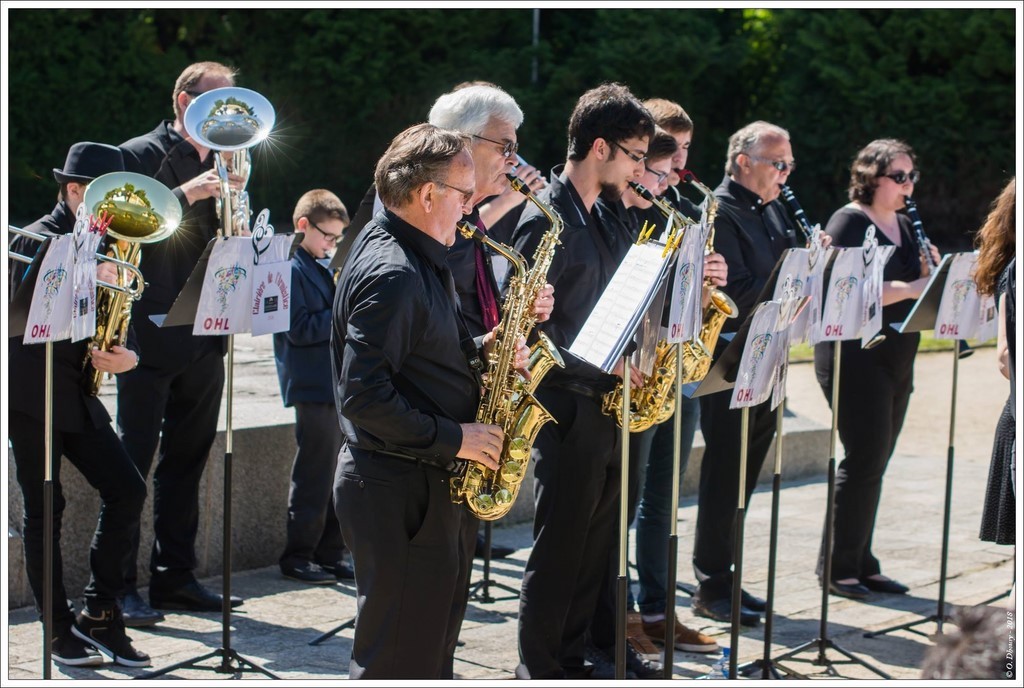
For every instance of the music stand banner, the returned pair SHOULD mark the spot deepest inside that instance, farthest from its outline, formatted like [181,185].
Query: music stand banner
[49,315]
[963,313]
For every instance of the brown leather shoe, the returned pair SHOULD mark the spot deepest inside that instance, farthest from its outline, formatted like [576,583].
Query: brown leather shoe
[636,637]
[687,639]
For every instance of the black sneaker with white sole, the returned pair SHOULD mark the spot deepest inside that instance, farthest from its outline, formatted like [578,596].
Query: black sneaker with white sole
[66,648]
[106,633]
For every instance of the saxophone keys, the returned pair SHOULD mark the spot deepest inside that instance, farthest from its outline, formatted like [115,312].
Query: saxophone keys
[510,470]
[518,450]
[503,496]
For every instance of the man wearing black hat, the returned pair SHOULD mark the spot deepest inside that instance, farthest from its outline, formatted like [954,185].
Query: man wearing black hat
[172,401]
[85,161]
[82,433]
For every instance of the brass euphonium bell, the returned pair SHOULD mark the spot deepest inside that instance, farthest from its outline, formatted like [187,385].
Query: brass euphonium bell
[230,121]
[141,211]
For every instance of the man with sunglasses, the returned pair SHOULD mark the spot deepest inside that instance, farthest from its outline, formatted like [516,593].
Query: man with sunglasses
[578,460]
[171,401]
[752,231]
[313,545]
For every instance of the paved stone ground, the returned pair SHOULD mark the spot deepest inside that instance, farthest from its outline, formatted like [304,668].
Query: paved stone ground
[281,617]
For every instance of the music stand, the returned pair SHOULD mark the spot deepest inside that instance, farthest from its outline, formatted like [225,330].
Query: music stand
[922,317]
[183,312]
[481,590]
[18,317]
[823,642]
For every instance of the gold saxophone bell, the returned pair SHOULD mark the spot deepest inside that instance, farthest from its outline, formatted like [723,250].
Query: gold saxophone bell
[141,211]
[508,399]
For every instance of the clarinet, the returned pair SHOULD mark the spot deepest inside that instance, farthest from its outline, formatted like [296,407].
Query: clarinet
[798,213]
[923,243]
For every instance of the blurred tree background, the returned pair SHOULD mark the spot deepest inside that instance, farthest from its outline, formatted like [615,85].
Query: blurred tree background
[344,82]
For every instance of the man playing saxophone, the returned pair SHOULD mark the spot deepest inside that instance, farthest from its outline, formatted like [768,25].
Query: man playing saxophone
[82,433]
[577,460]
[490,117]
[407,385]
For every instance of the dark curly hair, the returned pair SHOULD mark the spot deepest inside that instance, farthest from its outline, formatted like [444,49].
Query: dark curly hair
[871,162]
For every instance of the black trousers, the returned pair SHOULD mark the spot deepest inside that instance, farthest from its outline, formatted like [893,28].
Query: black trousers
[403,530]
[874,393]
[177,409]
[313,532]
[576,490]
[718,494]
[102,460]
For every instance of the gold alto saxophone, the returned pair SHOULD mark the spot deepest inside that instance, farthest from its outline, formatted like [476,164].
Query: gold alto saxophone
[141,210]
[654,402]
[698,351]
[508,398]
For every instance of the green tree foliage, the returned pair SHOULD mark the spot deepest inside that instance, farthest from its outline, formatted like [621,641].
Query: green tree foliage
[344,82]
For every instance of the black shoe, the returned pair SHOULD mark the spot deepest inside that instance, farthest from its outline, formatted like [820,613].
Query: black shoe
[308,572]
[888,585]
[191,597]
[106,634]
[720,609]
[135,611]
[67,648]
[341,570]
[640,666]
[855,591]
[601,664]
[497,551]
[754,604]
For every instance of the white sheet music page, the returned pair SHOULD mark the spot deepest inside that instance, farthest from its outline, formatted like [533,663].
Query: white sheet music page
[624,302]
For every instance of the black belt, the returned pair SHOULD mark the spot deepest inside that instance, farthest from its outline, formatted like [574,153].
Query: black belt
[583,389]
[422,463]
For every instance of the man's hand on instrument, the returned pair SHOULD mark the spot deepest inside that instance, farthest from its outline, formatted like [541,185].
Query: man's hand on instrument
[481,443]
[636,378]
[117,360]
[207,185]
[533,178]
[106,272]
[716,269]
[545,303]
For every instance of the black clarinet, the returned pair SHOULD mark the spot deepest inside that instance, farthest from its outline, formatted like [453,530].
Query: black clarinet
[923,243]
[798,213]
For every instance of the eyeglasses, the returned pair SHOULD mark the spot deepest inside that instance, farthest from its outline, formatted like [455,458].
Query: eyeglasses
[901,177]
[508,148]
[780,165]
[336,238]
[466,195]
[632,156]
[660,176]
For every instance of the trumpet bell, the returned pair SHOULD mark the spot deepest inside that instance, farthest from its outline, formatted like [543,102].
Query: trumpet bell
[142,209]
[229,119]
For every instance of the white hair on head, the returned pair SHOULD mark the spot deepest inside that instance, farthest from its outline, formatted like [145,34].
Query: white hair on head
[470,109]
[749,140]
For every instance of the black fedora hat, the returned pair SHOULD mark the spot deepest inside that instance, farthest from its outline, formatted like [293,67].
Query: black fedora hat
[87,160]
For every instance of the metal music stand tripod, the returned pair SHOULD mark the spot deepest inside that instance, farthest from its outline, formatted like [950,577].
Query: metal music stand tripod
[230,661]
[823,642]
[481,590]
[183,311]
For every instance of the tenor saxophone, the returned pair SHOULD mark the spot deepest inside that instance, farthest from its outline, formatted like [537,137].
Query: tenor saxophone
[653,402]
[697,352]
[508,399]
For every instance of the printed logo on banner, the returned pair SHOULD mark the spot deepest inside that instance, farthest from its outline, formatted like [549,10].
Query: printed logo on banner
[53,280]
[843,287]
[227,281]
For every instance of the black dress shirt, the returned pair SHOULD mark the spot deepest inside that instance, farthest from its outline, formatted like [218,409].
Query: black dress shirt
[592,246]
[751,236]
[167,157]
[402,382]
[462,261]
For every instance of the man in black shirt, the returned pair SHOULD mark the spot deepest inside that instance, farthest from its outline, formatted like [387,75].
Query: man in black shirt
[407,391]
[578,459]
[752,231]
[173,398]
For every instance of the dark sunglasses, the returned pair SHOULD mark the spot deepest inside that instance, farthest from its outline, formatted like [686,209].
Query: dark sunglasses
[508,148]
[901,177]
[780,165]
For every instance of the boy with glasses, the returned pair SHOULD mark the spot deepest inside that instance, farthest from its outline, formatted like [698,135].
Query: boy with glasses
[314,546]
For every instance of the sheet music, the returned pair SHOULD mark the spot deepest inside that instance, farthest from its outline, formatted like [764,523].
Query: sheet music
[624,302]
